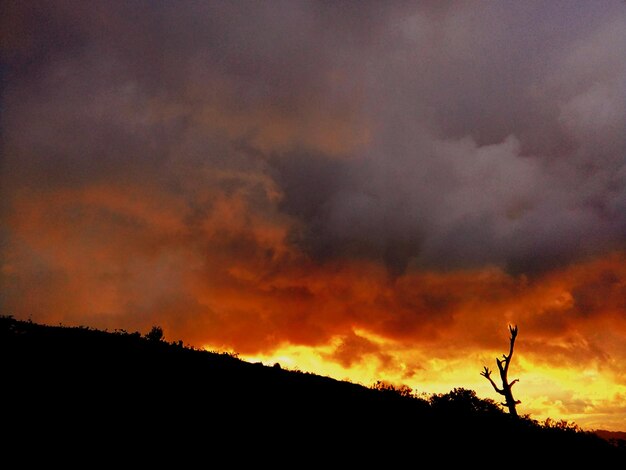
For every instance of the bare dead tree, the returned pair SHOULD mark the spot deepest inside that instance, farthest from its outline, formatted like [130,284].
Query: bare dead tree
[503,367]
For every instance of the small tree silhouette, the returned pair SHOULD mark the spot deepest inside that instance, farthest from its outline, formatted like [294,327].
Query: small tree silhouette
[155,334]
[503,367]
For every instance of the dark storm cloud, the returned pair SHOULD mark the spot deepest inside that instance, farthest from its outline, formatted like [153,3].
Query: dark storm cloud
[95,91]
[498,136]
[419,134]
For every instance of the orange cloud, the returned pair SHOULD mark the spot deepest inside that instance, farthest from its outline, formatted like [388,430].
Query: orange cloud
[113,252]
[228,278]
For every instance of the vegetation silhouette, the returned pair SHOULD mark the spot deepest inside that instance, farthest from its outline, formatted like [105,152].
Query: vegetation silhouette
[155,334]
[503,366]
[76,389]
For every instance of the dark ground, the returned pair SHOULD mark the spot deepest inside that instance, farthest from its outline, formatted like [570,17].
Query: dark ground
[71,393]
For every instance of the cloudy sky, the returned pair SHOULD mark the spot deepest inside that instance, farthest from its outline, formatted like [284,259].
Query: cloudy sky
[367,190]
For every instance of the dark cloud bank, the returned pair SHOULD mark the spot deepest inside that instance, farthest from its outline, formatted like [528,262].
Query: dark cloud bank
[421,134]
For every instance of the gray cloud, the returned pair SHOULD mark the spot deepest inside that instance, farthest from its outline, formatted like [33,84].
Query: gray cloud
[426,134]
[498,138]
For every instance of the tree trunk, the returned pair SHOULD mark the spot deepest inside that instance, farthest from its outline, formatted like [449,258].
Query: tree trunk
[503,367]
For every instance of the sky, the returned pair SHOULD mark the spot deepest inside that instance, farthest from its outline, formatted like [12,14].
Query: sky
[365,190]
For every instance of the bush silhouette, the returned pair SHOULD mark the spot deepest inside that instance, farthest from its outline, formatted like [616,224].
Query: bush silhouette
[155,334]
[461,401]
[400,390]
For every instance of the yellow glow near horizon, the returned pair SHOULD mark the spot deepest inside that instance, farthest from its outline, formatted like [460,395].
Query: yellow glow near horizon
[585,396]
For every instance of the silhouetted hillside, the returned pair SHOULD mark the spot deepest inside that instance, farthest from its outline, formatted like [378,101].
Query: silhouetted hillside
[86,389]
[618,438]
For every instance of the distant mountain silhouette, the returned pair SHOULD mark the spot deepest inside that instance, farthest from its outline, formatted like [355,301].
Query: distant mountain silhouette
[80,390]
[617,437]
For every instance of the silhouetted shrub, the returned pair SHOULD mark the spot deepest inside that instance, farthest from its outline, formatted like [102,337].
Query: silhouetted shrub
[461,401]
[400,390]
[562,425]
[155,334]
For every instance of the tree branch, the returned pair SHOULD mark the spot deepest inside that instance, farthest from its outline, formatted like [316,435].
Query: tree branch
[499,362]
[513,331]
[495,387]
[486,373]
